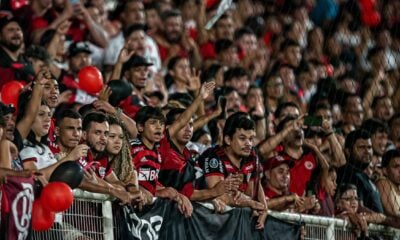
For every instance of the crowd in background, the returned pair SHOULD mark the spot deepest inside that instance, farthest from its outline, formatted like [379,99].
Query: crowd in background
[286,105]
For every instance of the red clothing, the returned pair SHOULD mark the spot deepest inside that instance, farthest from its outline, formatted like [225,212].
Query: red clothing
[101,165]
[207,50]
[77,31]
[174,165]
[147,163]
[215,162]
[164,52]
[131,105]
[301,172]
[269,193]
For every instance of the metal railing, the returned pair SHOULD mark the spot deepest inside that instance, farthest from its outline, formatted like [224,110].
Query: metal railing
[91,217]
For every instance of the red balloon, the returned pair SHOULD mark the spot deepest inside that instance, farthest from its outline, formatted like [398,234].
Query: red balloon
[372,19]
[42,218]
[90,79]
[367,6]
[211,3]
[10,92]
[57,196]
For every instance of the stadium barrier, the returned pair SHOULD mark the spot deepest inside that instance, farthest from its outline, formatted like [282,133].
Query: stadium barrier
[91,217]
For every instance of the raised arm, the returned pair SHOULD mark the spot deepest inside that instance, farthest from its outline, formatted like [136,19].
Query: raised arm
[268,146]
[184,118]
[124,55]
[24,125]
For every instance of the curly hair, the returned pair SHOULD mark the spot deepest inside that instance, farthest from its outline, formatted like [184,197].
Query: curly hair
[122,162]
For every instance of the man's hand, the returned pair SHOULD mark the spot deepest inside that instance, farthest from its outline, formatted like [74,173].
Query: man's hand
[184,205]
[193,80]
[262,215]
[228,185]
[126,53]
[105,93]
[219,205]
[79,151]
[104,106]
[207,89]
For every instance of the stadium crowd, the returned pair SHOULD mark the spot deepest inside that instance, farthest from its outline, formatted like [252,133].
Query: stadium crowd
[286,105]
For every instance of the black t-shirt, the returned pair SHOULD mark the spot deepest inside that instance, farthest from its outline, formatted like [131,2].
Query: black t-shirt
[366,189]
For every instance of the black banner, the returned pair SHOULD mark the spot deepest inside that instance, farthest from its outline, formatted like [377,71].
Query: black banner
[163,221]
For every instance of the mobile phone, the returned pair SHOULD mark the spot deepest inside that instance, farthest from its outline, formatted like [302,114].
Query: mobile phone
[312,121]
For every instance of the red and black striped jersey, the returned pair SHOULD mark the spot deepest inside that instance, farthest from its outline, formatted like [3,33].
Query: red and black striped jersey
[215,162]
[147,163]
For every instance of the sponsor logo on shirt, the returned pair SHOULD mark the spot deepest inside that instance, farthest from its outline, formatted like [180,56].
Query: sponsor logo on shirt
[309,165]
[147,174]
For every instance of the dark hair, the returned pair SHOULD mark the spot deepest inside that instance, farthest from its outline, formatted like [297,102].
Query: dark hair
[23,102]
[238,120]
[234,72]
[222,45]
[393,118]
[199,133]
[173,61]
[147,112]
[256,24]
[374,51]
[37,52]
[68,113]
[282,106]
[183,98]
[170,13]
[2,120]
[133,28]
[223,16]
[172,115]
[319,106]
[288,43]
[374,125]
[86,109]
[376,100]
[210,72]
[96,117]
[242,31]
[345,99]
[389,155]
[344,188]
[47,37]
[353,136]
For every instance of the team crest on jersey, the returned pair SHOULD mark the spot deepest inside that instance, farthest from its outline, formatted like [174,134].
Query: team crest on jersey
[309,165]
[213,163]
[102,171]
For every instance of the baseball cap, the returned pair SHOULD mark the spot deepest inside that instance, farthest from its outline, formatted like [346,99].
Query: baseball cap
[275,161]
[6,19]
[136,61]
[78,47]
[6,109]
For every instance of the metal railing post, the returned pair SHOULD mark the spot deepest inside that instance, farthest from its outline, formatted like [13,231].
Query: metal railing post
[108,225]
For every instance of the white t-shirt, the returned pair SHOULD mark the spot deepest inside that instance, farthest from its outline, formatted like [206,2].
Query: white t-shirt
[41,156]
[117,43]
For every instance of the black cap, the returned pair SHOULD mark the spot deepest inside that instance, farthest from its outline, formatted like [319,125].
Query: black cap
[78,47]
[6,109]
[136,61]
[5,20]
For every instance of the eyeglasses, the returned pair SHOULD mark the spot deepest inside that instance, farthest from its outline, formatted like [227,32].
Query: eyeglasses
[348,199]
